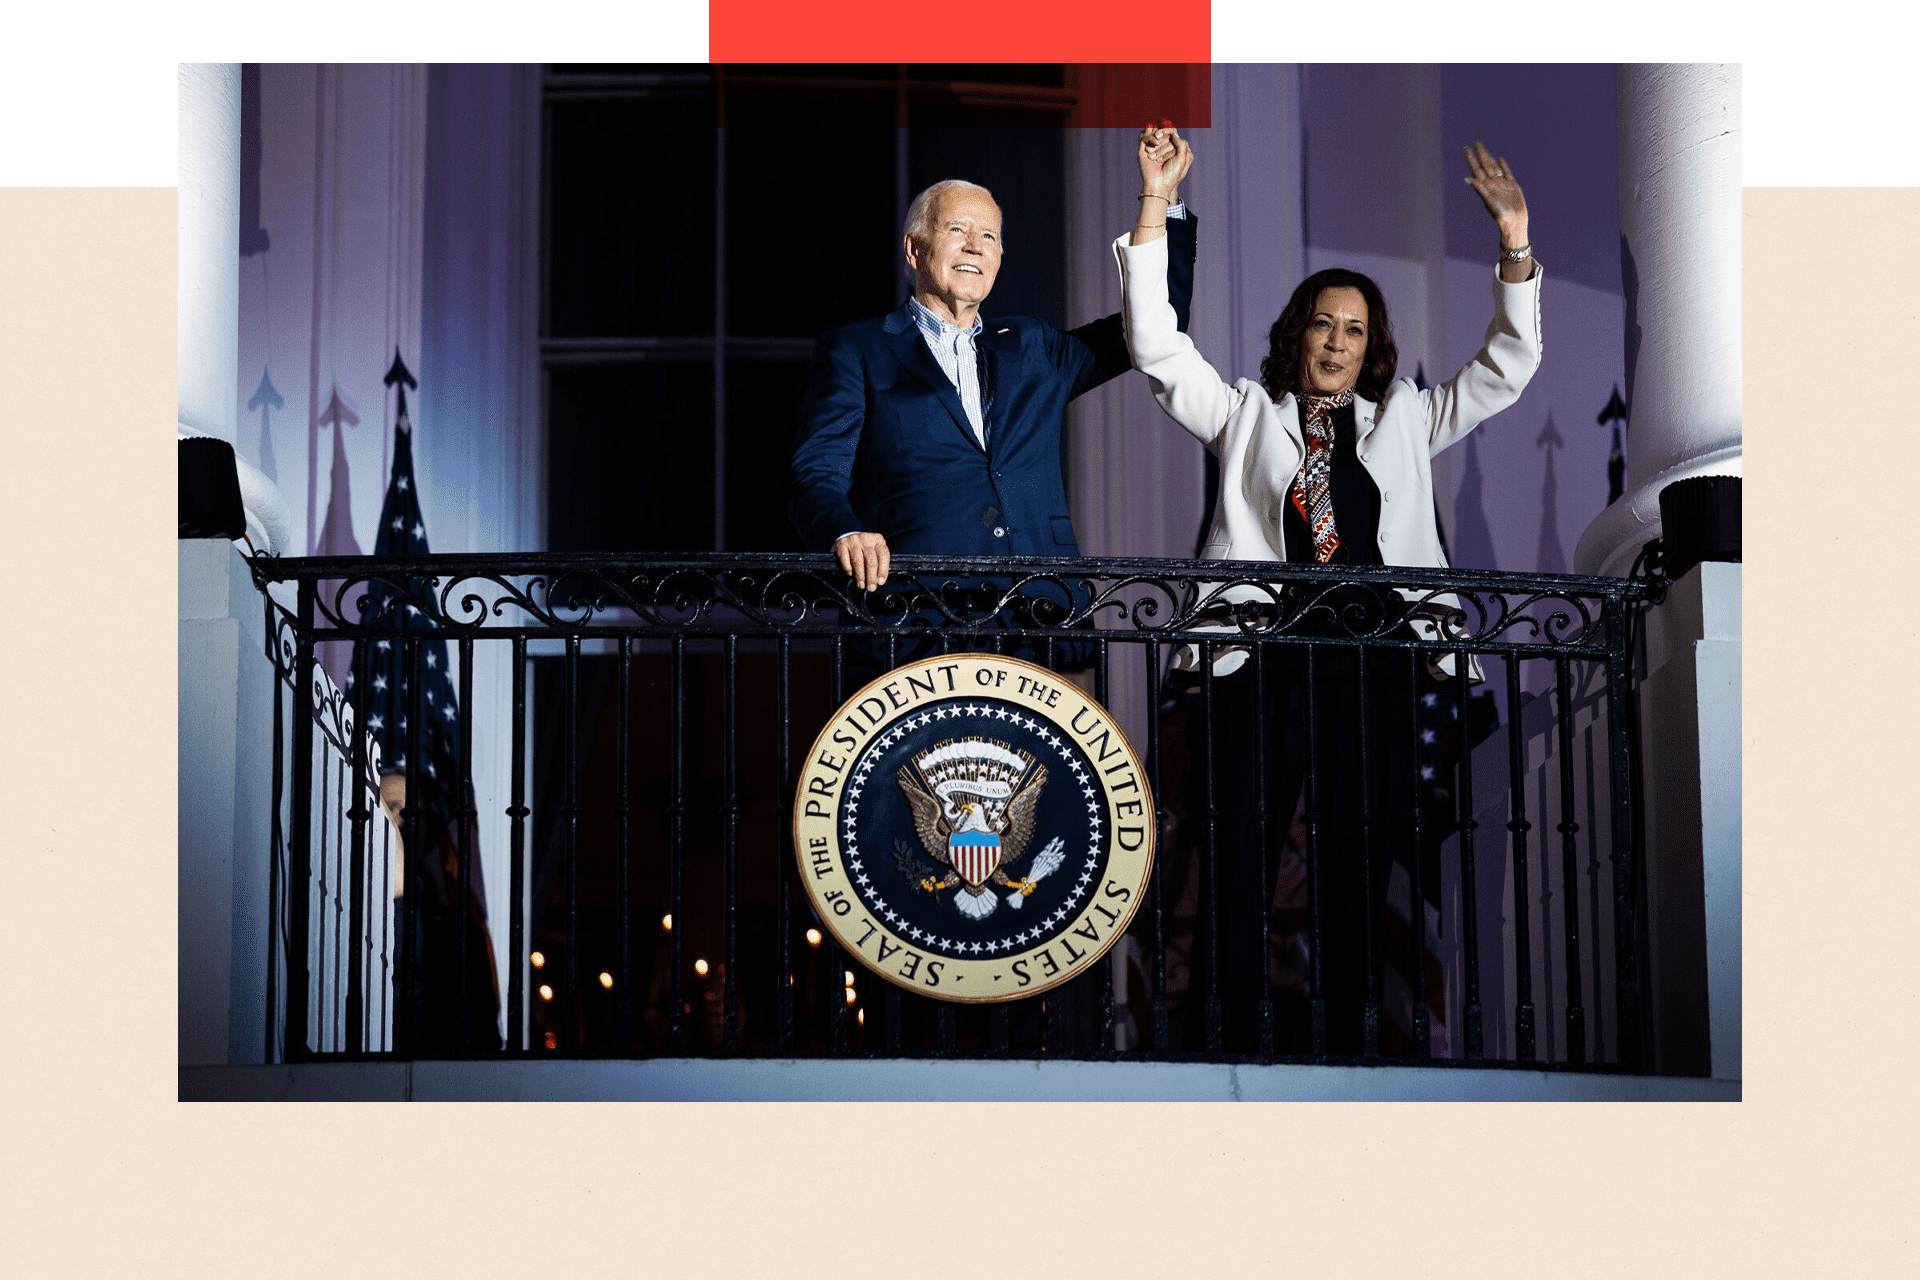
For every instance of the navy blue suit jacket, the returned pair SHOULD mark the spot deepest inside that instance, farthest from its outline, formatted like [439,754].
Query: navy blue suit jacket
[885,446]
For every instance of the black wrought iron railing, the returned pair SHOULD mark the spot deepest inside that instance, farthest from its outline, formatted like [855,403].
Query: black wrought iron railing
[1361,856]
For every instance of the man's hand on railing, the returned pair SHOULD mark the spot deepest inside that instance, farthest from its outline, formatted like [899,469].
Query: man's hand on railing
[865,558]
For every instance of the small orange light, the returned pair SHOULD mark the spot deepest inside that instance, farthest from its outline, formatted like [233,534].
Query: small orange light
[606,980]
[849,974]
[700,967]
[813,937]
[553,1040]
[860,1016]
[546,992]
[852,995]
[666,922]
[537,959]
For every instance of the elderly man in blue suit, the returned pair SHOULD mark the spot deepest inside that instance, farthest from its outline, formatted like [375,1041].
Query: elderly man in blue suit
[933,431]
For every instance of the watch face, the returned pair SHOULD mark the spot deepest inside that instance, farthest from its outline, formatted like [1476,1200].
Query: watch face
[974,828]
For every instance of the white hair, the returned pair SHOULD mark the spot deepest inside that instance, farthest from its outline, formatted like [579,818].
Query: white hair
[919,212]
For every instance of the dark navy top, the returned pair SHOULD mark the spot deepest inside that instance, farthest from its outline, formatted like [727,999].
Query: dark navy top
[1356,505]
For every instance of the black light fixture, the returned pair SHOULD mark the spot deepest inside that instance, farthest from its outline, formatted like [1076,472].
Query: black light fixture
[210,505]
[1699,520]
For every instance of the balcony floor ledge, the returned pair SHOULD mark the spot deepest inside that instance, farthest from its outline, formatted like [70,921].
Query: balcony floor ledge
[917,1080]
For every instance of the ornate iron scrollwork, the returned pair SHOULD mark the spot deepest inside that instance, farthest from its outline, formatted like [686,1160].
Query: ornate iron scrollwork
[748,595]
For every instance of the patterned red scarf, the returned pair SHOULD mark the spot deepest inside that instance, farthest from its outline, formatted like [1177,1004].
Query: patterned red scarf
[1313,488]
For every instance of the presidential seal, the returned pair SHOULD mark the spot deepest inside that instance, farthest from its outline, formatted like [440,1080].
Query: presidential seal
[974,828]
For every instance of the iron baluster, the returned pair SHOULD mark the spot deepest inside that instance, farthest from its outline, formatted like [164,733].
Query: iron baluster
[1518,826]
[1209,866]
[729,842]
[784,870]
[890,1001]
[676,852]
[1576,1014]
[465,817]
[570,1020]
[358,928]
[1369,909]
[276,839]
[1158,891]
[517,812]
[1417,893]
[1316,908]
[1263,848]
[623,852]
[1625,818]
[1104,1025]
[836,1002]
[1469,888]
[300,874]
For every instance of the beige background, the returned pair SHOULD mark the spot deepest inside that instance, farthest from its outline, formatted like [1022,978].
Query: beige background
[104,1174]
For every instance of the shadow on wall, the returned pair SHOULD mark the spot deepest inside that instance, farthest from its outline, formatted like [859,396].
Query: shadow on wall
[1551,557]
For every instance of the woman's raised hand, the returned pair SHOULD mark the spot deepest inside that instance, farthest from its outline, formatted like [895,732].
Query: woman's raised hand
[1491,178]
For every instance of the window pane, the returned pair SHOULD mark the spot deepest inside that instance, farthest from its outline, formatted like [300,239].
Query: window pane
[943,110]
[630,217]
[763,413]
[813,217]
[1050,75]
[630,457]
[677,70]
[813,70]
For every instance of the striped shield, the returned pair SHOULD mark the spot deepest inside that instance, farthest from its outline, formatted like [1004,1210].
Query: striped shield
[974,854]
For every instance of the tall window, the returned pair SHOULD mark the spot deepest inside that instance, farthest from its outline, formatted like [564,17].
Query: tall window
[702,226]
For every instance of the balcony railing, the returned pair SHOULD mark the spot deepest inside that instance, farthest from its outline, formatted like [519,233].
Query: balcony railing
[621,749]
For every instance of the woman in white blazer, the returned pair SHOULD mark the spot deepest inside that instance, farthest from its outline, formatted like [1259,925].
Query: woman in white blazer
[1325,459]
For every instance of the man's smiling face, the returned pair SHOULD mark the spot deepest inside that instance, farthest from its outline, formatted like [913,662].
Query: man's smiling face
[956,258]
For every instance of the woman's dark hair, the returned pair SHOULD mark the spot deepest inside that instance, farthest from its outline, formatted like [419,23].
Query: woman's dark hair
[1280,371]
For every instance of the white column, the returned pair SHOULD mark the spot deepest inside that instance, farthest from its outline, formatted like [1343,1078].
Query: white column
[209,246]
[215,640]
[1680,230]
[226,682]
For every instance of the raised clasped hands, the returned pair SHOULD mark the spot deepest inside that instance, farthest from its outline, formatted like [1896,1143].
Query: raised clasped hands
[1164,159]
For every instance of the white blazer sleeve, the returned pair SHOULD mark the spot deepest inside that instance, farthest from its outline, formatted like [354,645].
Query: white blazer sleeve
[1494,378]
[1183,382]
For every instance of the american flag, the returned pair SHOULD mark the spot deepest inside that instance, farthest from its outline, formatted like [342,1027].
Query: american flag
[408,607]
[436,794]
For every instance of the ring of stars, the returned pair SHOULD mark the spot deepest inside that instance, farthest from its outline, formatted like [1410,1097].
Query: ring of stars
[1088,865]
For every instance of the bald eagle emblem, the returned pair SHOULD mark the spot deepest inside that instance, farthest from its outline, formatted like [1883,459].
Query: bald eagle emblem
[973,802]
